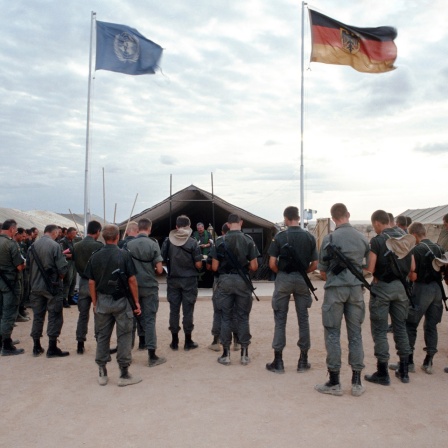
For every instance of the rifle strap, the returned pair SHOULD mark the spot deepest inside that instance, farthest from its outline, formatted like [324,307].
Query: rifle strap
[44,274]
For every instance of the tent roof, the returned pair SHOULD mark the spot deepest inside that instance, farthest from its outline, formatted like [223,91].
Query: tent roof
[431,215]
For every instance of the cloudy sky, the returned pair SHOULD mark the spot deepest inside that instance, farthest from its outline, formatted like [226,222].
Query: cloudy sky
[227,103]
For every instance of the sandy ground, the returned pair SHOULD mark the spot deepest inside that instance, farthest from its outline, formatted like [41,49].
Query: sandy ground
[192,401]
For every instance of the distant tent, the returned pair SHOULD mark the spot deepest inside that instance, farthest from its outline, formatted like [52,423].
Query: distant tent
[202,206]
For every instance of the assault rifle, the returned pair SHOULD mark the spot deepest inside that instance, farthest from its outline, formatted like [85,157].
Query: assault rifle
[123,284]
[299,266]
[431,254]
[236,265]
[344,262]
[396,267]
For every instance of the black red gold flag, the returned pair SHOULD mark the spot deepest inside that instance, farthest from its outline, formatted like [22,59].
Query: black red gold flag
[368,50]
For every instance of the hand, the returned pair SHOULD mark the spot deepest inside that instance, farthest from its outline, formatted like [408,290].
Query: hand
[138,310]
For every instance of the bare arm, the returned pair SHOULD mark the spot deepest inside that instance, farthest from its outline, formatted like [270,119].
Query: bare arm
[413,275]
[215,265]
[273,264]
[92,290]
[133,286]
[372,262]
[312,267]
[253,265]
[159,268]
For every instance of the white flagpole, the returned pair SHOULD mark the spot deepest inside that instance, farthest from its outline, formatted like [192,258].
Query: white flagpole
[302,196]
[86,173]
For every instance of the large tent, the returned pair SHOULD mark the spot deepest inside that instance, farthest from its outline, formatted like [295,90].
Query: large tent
[202,206]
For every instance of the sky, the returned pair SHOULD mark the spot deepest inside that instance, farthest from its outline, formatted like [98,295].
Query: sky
[225,105]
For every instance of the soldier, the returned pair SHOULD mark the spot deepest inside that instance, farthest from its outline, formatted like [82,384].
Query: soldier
[11,263]
[82,251]
[388,296]
[19,238]
[110,304]
[145,252]
[203,238]
[47,267]
[130,233]
[343,297]
[427,297]
[184,260]
[233,256]
[291,251]
[66,244]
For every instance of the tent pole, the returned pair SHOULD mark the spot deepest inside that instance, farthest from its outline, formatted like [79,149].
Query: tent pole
[302,197]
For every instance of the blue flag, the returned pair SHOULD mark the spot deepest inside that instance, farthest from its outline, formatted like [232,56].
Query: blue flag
[122,49]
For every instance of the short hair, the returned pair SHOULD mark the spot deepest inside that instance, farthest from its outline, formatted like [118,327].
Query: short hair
[132,226]
[391,218]
[71,229]
[401,221]
[408,220]
[20,230]
[445,218]
[200,224]
[418,228]
[8,224]
[381,216]
[234,218]
[28,232]
[93,227]
[49,228]
[183,221]
[144,224]
[33,229]
[339,211]
[291,213]
[110,232]
[225,228]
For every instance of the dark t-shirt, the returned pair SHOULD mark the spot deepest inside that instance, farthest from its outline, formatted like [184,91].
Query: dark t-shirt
[104,262]
[424,253]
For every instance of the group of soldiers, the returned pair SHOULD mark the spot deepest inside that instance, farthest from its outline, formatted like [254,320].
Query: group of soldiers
[121,285]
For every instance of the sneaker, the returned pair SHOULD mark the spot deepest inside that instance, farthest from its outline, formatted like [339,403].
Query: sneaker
[156,361]
[224,359]
[103,378]
[426,368]
[215,347]
[411,367]
[327,388]
[245,360]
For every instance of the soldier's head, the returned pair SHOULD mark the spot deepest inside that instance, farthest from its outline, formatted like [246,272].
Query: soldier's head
[234,221]
[93,228]
[183,221]
[144,225]
[380,220]
[224,228]
[9,227]
[401,222]
[200,227]
[111,233]
[417,229]
[291,213]
[34,232]
[132,229]
[339,211]
[51,230]
[71,233]
[391,219]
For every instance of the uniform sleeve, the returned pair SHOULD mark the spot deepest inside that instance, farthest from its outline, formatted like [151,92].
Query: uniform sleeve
[323,265]
[274,250]
[374,245]
[129,264]
[16,256]
[253,251]
[60,261]
[157,254]
[88,271]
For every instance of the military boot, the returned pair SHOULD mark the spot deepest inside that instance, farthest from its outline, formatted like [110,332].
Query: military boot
[174,341]
[224,359]
[357,388]
[332,386]
[215,346]
[427,364]
[37,349]
[276,366]
[126,379]
[153,359]
[403,370]
[141,343]
[8,349]
[189,343]
[245,360]
[381,376]
[54,351]
[102,378]
[80,348]
[303,365]
[411,365]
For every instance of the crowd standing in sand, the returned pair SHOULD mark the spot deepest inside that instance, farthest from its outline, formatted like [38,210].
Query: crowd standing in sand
[119,280]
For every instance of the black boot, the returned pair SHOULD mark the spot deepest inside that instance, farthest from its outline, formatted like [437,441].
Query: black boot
[8,349]
[403,371]
[126,379]
[357,388]
[427,364]
[303,365]
[80,349]
[65,303]
[54,351]
[189,343]
[153,359]
[381,376]
[236,342]
[141,343]
[175,341]
[225,357]
[245,360]
[37,349]
[276,366]
[332,386]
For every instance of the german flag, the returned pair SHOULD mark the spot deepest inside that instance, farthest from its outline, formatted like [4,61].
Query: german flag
[368,50]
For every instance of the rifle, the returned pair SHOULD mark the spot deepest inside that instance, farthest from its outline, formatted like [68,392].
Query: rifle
[53,287]
[126,291]
[345,262]
[407,287]
[302,271]
[239,269]
[431,254]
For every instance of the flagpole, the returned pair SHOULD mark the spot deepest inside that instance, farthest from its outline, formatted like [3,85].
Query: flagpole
[302,196]
[86,172]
